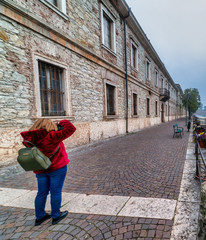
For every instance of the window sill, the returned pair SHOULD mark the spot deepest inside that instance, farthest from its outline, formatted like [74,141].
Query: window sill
[135,116]
[109,50]
[56,118]
[134,69]
[148,116]
[110,117]
[55,9]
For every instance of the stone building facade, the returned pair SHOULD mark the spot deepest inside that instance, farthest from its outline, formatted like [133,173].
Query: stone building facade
[88,61]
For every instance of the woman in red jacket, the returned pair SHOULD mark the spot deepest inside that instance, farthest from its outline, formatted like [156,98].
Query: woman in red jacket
[47,136]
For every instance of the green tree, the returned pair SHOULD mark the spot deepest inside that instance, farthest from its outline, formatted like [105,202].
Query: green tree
[191,100]
[201,106]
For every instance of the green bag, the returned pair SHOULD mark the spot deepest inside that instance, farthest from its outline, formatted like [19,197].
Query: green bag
[33,159]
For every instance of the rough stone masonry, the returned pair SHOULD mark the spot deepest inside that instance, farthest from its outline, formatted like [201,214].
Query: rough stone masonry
[33,31]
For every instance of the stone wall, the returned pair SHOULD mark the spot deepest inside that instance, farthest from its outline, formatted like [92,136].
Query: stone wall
[88,67]
[83,24]
[16,97]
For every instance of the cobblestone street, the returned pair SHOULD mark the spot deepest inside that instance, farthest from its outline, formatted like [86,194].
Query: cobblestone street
[146,164]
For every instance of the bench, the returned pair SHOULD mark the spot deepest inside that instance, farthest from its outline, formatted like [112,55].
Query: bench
[178,131]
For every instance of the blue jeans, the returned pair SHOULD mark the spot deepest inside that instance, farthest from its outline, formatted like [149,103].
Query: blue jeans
[52,182]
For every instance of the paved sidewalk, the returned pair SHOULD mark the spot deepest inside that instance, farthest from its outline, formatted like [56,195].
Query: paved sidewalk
[144,169]
[96,204]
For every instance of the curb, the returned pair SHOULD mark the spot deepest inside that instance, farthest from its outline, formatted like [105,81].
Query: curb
[187,209]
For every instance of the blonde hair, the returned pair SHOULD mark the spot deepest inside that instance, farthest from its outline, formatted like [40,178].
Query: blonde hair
[44,123]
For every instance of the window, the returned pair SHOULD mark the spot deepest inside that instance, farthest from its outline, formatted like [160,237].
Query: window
[108,29]
[156,108]
[51,89]
[110,93]
[53,2]
[148,106]
[134,104]
[162,83]
[58,6]
[156,77]
[134,56]
[147,69]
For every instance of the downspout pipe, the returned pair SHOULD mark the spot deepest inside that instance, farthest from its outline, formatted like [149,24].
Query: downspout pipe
[126,73]
[168,110]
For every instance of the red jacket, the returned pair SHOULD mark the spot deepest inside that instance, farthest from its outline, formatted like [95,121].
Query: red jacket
[47,143]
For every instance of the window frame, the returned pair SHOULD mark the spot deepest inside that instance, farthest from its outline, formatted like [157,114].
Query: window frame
[148,107]
[133,105]
[162,82]
[148,69]
[60,9]
[166,85]
[134,46]
[65,87]
[156,77]
[156,108]
[51,79]
[56,3]
[110,87]
[107,82]
[111,17]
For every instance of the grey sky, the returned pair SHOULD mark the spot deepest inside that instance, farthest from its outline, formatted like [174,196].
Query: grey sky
[177,31]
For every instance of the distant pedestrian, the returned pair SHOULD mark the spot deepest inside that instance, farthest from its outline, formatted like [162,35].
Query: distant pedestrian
[47,136]
[188,125]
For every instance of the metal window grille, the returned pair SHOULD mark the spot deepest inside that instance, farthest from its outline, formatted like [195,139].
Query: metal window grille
[51,90]
[110,99]
[107,31]
[134,104]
